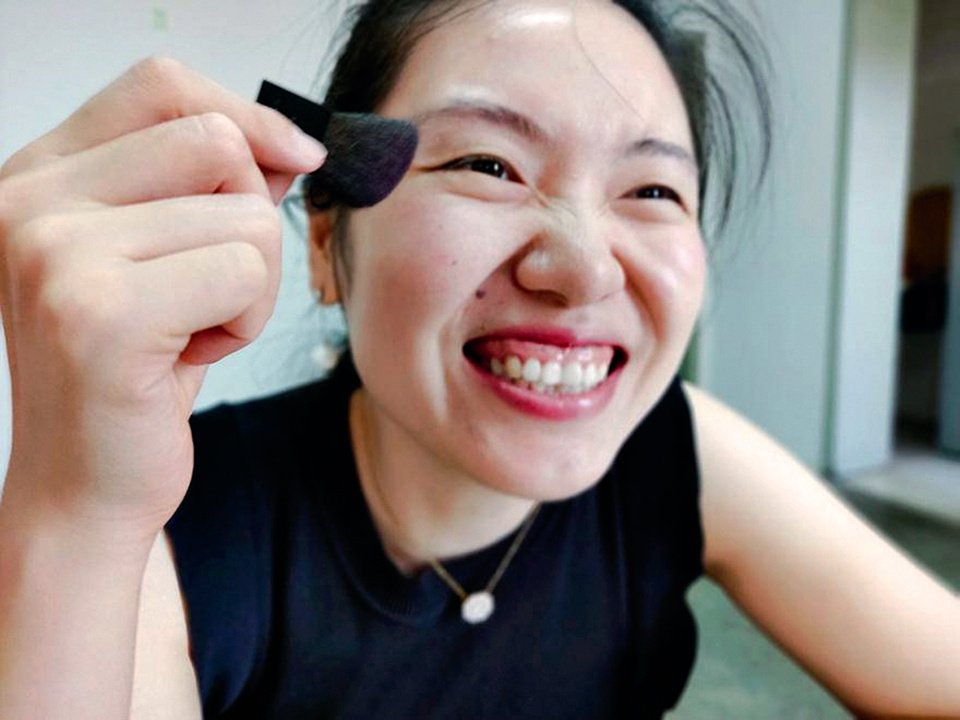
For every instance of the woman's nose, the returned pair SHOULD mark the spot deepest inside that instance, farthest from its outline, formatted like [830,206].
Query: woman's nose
[570,260]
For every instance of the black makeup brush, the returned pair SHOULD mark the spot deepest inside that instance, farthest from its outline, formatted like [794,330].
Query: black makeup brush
[367,155]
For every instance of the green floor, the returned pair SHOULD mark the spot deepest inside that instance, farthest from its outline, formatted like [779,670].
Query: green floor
[740,674]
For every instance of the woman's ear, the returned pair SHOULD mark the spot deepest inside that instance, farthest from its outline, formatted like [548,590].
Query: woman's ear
[323,277]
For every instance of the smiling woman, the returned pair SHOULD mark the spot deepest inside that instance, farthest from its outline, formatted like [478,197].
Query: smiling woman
[495,504]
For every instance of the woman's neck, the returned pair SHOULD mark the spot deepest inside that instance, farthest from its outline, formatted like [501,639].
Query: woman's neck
[422,507]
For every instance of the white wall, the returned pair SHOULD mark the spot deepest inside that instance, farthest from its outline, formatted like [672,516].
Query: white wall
[875,187]
[55,54]
[800,327]
[766,330]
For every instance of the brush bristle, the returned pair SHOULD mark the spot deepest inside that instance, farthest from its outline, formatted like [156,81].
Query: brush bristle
[367,155]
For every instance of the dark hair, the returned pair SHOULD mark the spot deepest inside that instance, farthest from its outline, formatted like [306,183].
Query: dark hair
[384,32]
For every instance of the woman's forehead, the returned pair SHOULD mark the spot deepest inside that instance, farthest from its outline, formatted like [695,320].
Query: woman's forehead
[584,62]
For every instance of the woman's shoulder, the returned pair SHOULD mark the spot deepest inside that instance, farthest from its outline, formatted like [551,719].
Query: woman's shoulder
[654,482]
[666,423]
[250,477]
[290,399]
[751,485]
[661,444]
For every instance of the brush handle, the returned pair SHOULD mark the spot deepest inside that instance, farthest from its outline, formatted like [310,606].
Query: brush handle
[307,115]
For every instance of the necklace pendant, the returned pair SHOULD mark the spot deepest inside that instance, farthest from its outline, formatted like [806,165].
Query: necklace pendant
[477,607]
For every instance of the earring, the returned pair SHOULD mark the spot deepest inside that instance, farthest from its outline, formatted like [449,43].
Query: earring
[324,356]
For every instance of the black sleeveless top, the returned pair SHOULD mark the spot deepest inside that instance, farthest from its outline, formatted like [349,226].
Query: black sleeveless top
[295,611]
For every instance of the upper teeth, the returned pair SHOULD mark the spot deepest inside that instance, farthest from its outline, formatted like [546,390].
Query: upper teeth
[571,376]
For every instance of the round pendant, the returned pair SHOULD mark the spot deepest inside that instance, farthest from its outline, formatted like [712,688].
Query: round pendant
[477,607]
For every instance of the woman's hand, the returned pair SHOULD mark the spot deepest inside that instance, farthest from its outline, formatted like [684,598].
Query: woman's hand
[139,242]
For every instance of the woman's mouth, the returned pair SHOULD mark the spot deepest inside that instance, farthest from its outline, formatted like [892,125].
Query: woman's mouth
[544,379]
[544,368]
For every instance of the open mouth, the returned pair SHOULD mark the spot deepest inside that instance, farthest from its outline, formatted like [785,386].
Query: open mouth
[543,368]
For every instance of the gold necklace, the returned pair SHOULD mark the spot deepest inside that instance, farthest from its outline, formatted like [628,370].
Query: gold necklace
[478,606]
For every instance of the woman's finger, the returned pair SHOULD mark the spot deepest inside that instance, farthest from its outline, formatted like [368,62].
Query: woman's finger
[217,286]
[150,230]
[195,155]
[139,233]
[159,89]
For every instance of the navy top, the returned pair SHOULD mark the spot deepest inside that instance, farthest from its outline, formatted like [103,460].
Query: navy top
[295,611]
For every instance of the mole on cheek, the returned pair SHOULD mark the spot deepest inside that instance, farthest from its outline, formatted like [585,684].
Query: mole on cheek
[481,294]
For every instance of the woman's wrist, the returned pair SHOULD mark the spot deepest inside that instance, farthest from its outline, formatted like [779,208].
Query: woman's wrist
[30,525]
[71,593]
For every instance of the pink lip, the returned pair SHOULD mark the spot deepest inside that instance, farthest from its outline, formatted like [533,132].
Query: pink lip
[548,335]
[550,407]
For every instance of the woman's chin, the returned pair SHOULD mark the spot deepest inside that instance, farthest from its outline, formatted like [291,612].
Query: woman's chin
[544,477]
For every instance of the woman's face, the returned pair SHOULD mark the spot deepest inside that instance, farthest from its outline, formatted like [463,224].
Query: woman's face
[549,219]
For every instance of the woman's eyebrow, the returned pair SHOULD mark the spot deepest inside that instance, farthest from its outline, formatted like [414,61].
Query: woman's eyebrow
[664,148]
[488,112]
[527,128]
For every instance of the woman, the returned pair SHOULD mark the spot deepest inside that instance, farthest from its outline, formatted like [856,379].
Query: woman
[314,564]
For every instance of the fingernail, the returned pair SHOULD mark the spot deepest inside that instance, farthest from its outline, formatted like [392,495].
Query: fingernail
[309,150]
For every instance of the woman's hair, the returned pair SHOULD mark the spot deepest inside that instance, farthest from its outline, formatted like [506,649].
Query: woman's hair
[384,32]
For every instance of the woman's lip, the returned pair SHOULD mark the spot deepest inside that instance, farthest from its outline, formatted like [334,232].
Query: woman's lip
[545,334]
[549,407]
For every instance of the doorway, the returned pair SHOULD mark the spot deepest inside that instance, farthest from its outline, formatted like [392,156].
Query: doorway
[925,471]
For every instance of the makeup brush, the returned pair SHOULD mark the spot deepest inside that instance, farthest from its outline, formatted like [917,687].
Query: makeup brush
[367,155]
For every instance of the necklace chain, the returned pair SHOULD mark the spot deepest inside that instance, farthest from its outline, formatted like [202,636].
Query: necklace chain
[501,568]
[478,606]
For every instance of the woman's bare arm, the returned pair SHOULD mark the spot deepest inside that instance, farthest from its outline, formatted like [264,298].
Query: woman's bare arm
[873,627]
[68,613]
[51,584]
[164,682]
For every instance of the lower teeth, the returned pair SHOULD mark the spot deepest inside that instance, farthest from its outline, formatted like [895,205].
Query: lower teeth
[548,389]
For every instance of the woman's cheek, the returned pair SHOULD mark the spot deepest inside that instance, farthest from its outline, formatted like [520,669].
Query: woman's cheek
[445,246]
[667,273]
[685,261]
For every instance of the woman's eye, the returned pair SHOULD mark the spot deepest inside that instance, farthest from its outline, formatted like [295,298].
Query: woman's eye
[483,164]
[657,192]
